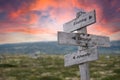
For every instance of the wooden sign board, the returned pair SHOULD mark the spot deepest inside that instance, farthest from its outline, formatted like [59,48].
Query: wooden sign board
[80,22]
[78,58]
[81,39]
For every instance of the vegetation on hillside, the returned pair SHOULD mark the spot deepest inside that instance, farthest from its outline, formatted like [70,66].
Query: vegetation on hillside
[51,67]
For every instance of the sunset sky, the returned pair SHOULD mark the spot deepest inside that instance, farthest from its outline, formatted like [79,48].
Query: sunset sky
[39,20]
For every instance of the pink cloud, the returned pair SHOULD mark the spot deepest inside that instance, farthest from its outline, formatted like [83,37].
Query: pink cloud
[61,11]
[25,18]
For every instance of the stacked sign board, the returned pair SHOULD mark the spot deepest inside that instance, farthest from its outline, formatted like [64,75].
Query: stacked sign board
[83,56]
[88,42]
[81,39]
[80,22]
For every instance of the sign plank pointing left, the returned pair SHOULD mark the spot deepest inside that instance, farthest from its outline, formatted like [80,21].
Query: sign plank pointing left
[84,56]
[80,39]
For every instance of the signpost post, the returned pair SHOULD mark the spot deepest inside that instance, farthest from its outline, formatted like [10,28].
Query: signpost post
[84,67]
[87,50]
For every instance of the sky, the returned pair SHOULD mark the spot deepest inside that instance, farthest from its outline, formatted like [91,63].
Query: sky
[40,20]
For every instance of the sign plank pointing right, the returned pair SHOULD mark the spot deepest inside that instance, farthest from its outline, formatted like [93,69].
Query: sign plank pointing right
[80,22]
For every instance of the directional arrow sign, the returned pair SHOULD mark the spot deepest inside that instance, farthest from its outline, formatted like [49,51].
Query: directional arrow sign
[81,39]
[83,56]
[80,22]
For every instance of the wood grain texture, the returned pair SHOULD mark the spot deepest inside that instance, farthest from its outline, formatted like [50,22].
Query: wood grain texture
[84,71]
[84,67]
[81,56]
[81,39]
[80,22]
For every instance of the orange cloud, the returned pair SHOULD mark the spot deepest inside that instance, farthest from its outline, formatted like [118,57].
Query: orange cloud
[39,31]
[30,30]
[20,12]
[43,4]
[105,29]
[33,19]
[16,14]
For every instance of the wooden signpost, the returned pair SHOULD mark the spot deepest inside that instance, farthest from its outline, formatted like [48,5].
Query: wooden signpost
[80,39]
[81,57]
[80,21]
[87,50]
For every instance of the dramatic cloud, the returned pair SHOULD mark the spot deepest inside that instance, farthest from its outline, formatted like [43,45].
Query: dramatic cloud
[46,17]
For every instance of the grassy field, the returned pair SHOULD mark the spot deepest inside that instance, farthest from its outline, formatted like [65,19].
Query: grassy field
[51,67]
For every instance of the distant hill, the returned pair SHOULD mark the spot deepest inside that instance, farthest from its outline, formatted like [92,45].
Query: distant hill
[50,48]
[113,49]
[36,47]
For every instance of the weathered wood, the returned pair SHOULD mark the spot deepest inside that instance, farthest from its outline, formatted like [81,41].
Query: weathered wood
[81,39]
[87,50]
[84,71]
[84,67]
[81,56]
[80,22]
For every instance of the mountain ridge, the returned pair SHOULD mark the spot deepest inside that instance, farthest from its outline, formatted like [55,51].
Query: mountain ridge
[51,47]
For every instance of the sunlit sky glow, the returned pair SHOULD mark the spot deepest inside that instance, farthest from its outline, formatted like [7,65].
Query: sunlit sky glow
[39,20]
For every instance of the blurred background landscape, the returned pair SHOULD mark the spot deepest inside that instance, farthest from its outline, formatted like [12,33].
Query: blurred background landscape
[45,61]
